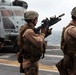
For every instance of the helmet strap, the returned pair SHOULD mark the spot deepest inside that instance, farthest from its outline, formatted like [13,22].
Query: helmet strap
[33,21]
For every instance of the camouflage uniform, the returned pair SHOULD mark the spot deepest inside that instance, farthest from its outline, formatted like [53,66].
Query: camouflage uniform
[67,66]
[70,39]
[31,68]
[31,44]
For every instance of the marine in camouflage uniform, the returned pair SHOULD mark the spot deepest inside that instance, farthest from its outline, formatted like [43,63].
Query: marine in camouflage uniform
[67,66]
[30,41]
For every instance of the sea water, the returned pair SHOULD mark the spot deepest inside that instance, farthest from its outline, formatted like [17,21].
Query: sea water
[54,38]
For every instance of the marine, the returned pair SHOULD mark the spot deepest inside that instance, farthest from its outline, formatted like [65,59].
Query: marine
[31,44]
[67,66]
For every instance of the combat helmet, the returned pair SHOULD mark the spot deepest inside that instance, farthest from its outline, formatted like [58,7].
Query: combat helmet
[30,15]
[73,12]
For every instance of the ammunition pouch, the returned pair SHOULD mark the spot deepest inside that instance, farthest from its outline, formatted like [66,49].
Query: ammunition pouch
[34,54]
[19,57]
[21,68]
[67,62]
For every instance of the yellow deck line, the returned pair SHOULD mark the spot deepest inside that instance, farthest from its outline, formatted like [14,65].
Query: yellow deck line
[15,63]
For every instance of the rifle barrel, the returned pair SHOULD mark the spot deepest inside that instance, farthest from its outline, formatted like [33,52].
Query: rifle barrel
[61,15]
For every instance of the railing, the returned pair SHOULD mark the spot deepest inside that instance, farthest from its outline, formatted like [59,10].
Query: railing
[52,47]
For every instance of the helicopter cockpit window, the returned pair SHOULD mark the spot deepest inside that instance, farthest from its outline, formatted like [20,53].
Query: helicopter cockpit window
[18,13]
[6,13]
[7,23]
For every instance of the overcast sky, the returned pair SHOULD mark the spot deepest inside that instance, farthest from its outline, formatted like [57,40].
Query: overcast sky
[48,8]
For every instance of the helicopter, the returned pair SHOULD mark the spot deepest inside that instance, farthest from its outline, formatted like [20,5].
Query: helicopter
[11,19]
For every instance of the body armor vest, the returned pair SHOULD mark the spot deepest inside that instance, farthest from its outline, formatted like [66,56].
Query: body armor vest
[70,46]
[29,51]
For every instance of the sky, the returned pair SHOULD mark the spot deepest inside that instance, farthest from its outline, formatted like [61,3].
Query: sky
[49,8]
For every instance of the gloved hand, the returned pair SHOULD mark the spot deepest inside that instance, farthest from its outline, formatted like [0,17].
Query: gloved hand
[43,30]
[49,31]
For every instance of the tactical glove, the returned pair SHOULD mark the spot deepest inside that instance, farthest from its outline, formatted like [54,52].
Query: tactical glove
[49,31]
[43,30]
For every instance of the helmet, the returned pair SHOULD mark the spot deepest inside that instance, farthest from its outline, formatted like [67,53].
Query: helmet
[30,15]
[73,12]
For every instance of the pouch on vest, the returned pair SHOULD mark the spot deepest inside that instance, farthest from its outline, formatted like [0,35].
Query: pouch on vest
[67,62]
[35,54]
[21,68]
[19,57]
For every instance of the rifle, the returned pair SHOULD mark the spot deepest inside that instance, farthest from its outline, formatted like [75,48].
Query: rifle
[49,22]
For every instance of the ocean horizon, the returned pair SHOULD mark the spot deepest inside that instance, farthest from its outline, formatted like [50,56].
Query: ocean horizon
[54,38]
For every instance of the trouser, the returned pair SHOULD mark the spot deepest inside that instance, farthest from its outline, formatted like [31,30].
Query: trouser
[29,68]
[32,70]
[61,69]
